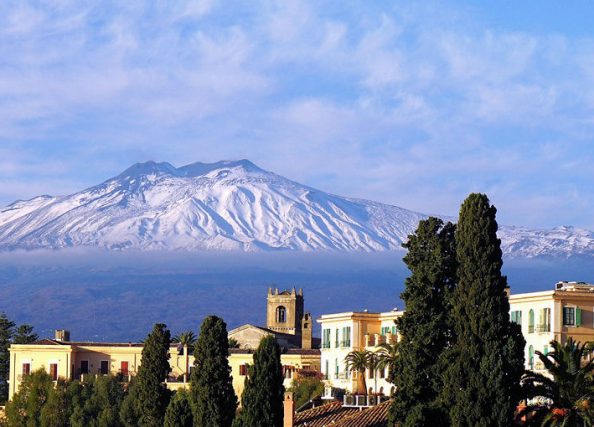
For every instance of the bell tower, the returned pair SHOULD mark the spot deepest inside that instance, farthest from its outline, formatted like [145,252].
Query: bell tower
[284,312]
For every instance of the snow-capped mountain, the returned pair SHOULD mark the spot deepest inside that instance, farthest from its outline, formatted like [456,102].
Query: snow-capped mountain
[232,205]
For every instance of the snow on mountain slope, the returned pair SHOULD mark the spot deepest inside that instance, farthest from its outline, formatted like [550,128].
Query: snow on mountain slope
[232,205]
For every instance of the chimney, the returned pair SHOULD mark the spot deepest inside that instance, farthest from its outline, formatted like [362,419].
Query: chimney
[62,335]
[289,406]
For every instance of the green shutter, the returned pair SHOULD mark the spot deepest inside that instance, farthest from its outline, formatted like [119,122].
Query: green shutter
[578,316]
[546,350]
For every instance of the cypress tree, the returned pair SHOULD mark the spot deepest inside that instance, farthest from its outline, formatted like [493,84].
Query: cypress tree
[211,382]
[179,411]
[24,335]
[424,327]
[148,399]
[262,399]
[6,333]
[486,362]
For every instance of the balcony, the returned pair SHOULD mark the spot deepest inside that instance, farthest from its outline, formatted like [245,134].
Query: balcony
[543,328]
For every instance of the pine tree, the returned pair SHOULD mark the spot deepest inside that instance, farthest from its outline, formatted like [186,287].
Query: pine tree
[211,382]
[24,335]
[179,411]
[486,362]
[6,333]
[424,327]
[262,399]
[57,410]
[149,397]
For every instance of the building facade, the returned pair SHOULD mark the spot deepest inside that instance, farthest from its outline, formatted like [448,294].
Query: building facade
[355,331]
[566,311]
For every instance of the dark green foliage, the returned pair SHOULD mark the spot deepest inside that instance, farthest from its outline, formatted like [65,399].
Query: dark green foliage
[566,396]
[26,405]
[425,327]
[6,332]
[97,402]
[306,388]
[57,409]
[179,411]
[147,401]
[481,382]
[262,399]
[24,335]
[211,383]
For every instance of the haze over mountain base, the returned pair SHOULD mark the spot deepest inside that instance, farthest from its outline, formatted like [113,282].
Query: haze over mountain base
[118,296]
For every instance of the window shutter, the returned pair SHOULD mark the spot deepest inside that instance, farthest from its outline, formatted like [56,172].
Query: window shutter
[578,316]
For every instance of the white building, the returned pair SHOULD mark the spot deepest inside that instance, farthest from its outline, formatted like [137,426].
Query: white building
[346,332]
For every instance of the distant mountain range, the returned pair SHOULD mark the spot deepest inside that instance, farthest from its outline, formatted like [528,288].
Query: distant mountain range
[233,205]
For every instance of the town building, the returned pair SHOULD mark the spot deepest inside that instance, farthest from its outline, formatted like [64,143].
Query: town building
[63,358]
[566,311]
[343,333]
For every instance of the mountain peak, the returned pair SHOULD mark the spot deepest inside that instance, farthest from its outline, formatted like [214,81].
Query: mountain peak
[199,168]
[149,168]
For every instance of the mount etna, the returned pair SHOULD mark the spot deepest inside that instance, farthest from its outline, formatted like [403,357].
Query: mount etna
[233,205]
[164,244]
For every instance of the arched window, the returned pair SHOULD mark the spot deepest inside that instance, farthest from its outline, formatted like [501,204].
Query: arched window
[281,314]
[531,357]
[531,321]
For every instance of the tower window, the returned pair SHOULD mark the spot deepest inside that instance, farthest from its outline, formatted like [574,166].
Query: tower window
[281,314]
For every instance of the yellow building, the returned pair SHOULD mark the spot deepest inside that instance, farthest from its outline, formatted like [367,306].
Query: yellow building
[355,331]
[567,311]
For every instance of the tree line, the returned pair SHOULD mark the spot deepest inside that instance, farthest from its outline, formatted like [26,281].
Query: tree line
[103,401]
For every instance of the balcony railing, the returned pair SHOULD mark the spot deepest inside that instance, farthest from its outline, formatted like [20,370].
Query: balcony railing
[543,327]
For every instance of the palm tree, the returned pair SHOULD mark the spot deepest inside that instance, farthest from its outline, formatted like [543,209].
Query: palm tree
[567,398]
[388,357]
[358,361]
[187,339]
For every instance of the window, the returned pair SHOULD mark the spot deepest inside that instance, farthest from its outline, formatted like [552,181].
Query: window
[84,366]
[104,369]
[124,368]
[516,317]
[385,330]
[326,338]
[243,370]
[336,369]
[544,323]
[53,371]
[569,316]
[531,321]
[545,350]
[346,336]
[394,330]
[531,357]
[281,314]
[327,370]
[26,369]
[336,340]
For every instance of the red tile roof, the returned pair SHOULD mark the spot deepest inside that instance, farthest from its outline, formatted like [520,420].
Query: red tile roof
[335,415]
[324,415]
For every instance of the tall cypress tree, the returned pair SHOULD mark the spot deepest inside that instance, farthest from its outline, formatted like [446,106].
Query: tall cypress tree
[262,399]
[179,411]
[424,327]
[211,382]
[487,360]
[148,398]
[6,333]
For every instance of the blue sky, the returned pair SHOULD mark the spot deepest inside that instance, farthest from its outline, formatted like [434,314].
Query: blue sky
[409,104]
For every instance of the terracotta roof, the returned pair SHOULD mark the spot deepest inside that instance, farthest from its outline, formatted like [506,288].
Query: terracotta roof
[376,416]
[325,415]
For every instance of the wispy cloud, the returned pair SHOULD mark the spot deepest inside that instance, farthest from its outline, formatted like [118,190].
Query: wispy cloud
[415,105]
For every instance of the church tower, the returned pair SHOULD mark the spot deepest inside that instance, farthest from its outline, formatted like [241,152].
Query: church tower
[284,311]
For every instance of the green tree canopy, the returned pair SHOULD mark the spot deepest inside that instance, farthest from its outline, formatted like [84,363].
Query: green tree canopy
[425,328]
[486,362]
[24,335]
[26,405]
[262,399]
[179,411]
[6,333]
[211,382]
[148,398]
[358,361]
